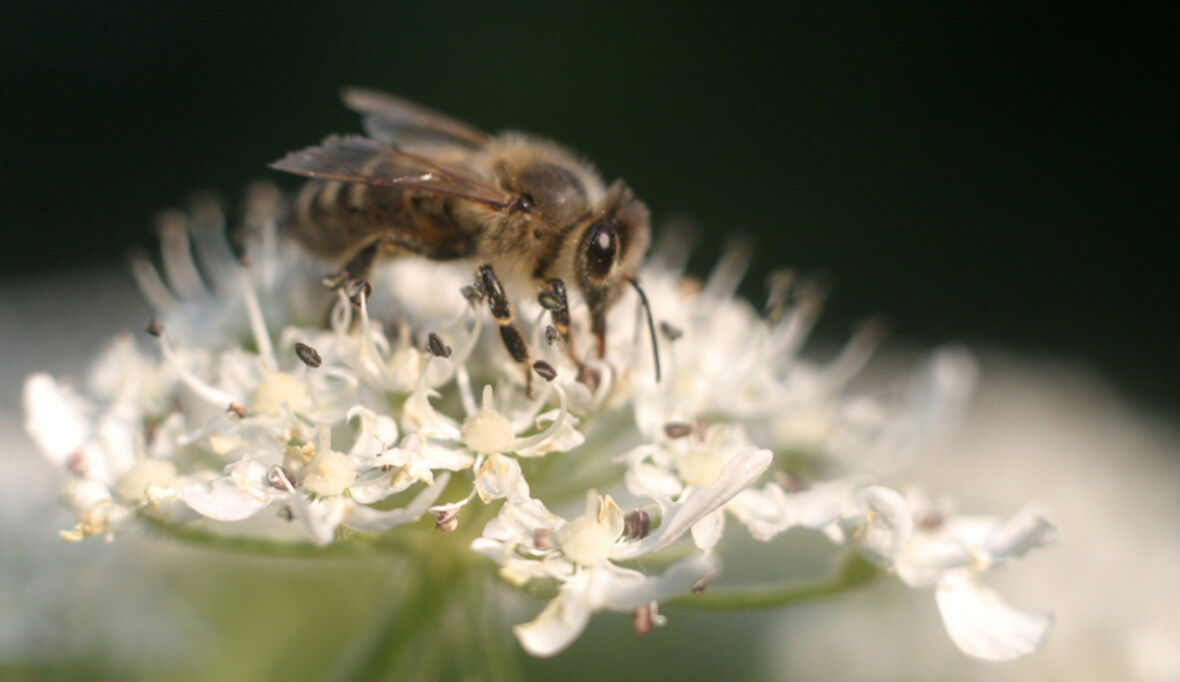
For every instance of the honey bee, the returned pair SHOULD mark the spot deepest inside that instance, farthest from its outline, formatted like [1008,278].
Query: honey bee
[528,210]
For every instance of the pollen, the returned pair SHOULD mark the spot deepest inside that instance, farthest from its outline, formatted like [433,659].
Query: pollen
[278,388]
[487,430]
[329,473]
[134,484]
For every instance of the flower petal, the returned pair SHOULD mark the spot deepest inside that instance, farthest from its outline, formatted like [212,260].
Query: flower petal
[233,497]
[762,511]
[740,471]
[982,625]
[1025,530]
[559,624]
[706,533]
[630,592]
[884,528]
[372,520]
[55,417]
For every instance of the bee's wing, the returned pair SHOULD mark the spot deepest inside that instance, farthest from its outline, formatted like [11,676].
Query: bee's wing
[394,120]
[361,160]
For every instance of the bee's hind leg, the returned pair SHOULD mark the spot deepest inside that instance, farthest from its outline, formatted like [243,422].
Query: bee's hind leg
[510,333]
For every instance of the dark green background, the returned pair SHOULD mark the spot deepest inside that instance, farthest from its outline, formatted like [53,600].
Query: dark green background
[988,175]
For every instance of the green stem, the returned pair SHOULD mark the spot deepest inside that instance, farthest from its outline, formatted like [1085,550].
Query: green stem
[853,573]
[359,546]
[400,646]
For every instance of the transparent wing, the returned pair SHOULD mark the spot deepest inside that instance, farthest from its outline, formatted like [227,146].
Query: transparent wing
[362,160]
[394,120]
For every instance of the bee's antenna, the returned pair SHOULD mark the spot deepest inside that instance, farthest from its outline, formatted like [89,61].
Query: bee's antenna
[651,325]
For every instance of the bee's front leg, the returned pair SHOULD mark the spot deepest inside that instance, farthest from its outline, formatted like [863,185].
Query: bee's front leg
[556,302]
[510,333]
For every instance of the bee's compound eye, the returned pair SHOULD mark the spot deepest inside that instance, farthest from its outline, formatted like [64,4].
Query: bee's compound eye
[602,246]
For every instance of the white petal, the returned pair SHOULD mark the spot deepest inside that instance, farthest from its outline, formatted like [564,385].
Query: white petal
[887,527]
[706,533]
[646,480]
[982,625]
[372,487]
[548,439]
[1025,530]
[221,500]
[762,511]
[231,497]
[628,592]
[377,432]
[320,517]
[500,477]
[372,520]
[740,471]
[434,455]
[819,505]
[55,417]
[565,438]
[924,561]
[86,496]
[559,624]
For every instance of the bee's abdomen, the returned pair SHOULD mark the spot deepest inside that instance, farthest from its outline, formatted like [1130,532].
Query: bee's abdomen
[334,219]
[325,222]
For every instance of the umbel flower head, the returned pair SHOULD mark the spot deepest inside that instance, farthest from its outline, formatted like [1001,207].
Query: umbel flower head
[266,406]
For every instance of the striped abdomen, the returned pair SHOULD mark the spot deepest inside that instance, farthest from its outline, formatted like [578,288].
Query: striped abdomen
[335,219]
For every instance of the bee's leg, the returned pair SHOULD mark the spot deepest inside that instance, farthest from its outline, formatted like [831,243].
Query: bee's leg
[360,265]
[510,334]
[555,301]
[390,243]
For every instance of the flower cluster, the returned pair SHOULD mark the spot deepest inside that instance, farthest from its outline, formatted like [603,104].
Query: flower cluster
[271,406]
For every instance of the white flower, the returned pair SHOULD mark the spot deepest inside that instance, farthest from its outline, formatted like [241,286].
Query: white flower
[272,407]
[530,543]
[676,467]
[953,554]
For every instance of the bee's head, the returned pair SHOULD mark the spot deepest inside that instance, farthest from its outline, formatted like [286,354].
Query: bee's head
[610,250]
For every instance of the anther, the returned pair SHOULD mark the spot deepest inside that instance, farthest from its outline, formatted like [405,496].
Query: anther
[446,520]
[702,584]
[790,482]
[78,464]
[678,429]
[545,370]
[280,477]
[436,346]
[551,334]
[642,619]
[236,409]
[474,296]
[637,524]
[590,377]
[309,356]
[543,539]
[930,521]
[361,288]
[670,332]
[155,328]
[780,284]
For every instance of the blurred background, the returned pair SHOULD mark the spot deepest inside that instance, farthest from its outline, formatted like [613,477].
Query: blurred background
[991,175]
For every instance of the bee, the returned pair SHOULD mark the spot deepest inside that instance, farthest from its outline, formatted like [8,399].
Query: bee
[528,210]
